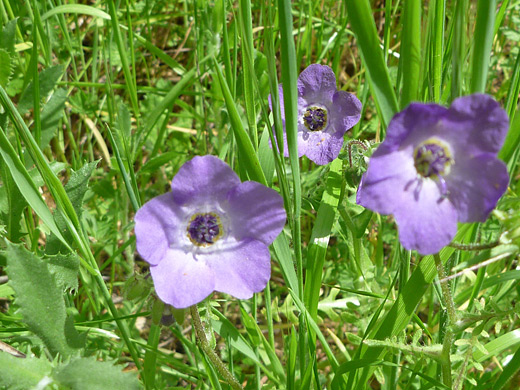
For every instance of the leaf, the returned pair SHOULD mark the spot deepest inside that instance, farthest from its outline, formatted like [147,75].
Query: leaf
[51,115]
[48,79]
[364,27]
[26,185]
[15,203]
[65,269]
[124,121]
[7,39]
[41,302]
[89,374]
[496,346]
[22,374]
[75,188]
[320,236]
[76,9]
[5,67]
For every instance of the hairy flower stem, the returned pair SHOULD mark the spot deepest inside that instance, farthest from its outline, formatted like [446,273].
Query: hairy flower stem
[474,247]
[210,353]
[452,320]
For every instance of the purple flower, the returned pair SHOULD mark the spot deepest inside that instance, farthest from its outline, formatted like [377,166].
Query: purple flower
[436,167]
[324,114]
[211,233]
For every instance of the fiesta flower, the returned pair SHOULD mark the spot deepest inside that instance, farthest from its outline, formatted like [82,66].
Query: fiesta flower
[210,233]
[324,114]
[436,167]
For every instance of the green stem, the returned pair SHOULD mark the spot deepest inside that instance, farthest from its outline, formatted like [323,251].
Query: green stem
[474,247]
[210,353]
[452,320]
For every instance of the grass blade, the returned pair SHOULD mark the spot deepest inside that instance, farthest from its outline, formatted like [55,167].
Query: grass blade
[363,25]
[482,44]
[410,60]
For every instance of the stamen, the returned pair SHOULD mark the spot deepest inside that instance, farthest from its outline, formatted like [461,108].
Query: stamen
[204,229]
[432,159]
[315,118]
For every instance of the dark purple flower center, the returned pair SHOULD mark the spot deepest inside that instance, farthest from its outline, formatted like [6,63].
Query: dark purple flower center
[204,229]
[432,158]
[315,118]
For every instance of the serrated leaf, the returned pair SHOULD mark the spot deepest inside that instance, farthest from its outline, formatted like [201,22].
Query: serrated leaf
[65,269]
[89,374]
[41,302]
[51,115]
[5,67]
[22,374]
[48,79]
[7,36]
[75,188]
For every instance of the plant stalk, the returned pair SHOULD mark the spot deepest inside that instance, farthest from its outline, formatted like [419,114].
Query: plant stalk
[210,353]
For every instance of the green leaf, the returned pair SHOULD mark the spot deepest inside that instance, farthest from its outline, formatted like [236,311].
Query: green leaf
[509,371]
[7,39]
[320,237]
[496,346]
[26,185]
[22,374]
[89,374]
[75,189]
[48,79]
[244,144]
[483,41]
[410,60]
[51,114]
[76,9]
[16,203]
[5,67]
[124,121]
[41,302]
[364,27]
[65,269]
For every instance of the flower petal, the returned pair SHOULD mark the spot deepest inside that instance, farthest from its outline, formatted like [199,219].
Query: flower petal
[182,281]
[203,178]
[345,111]
[280,97]
[256,212]
[243,270]
[322,147]
[389,174]
[317,84]
[413,125]
[477,121]
[427,222]
[157,227]
[302,146]
[475,186]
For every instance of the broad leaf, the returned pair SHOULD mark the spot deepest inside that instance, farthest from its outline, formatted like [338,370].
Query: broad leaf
[88,374]
[51,115]
[40,298]
[48,79]
[5,67]
[22,374]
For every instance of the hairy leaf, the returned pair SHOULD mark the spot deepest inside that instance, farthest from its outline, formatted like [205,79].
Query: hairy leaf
[89,374]
[41,302]
[22,374]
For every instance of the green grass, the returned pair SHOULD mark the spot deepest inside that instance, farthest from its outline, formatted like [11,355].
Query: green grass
[103,101]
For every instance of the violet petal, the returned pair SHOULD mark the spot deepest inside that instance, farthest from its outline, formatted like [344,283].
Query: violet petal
[203,177]
[256,212]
